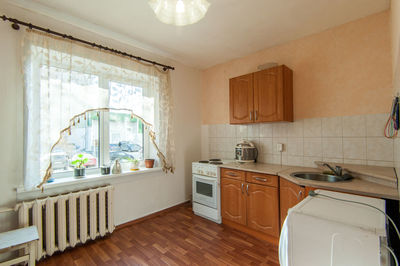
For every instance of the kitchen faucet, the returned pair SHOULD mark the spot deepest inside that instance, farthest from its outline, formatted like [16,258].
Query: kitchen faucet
[337,170]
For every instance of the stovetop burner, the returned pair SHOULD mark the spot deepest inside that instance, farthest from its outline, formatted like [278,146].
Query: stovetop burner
[203,161]
[215,160]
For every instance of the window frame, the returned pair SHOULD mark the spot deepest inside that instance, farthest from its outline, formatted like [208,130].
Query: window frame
[104,138]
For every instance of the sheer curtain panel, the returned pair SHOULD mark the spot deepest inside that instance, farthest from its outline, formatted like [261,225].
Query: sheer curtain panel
[63,78]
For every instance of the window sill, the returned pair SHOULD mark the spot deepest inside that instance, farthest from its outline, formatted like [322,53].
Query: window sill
[90,178]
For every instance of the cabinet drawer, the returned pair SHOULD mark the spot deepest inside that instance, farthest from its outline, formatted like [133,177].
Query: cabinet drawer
[233,174]
[262,179]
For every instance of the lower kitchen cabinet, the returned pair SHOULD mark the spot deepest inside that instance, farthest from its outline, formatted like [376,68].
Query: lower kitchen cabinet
[263,209]
[251,207]
[289,195]
[233,200]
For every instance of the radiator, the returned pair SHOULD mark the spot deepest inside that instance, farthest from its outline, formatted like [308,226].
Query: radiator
[66,220]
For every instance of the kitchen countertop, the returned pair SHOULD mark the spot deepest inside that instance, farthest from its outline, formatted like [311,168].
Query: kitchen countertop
[358,185]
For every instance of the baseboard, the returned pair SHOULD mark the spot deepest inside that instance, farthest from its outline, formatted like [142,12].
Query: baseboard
[271,239]
[152,215]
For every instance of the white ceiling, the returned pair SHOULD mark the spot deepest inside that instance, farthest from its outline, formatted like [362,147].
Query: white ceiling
[230,29]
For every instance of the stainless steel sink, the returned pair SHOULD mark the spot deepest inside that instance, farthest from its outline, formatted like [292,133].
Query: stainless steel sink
[319,177]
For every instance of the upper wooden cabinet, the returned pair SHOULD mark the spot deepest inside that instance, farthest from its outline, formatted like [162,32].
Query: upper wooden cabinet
[241,99]
[263,96]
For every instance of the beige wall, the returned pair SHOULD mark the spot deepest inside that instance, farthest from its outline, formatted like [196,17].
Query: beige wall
[342,71]
[136,195]
[395,27]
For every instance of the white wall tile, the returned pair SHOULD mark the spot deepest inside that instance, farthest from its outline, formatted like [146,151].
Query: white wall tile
[212,131]
[396,149]
[231,131]
[355,148]
[313,127]
[295,146]
[380,149]
[266,130]
[295,129]
[272,158]
[275,141]
[279,130]
[332,148]
[354,161]
[253,131]
[266,146]
[332,160]
[332,127]
[381,163]
[355,126]
[376,124]
[309,161]
[313,147]
[221,130]
[295,160]
[241,131]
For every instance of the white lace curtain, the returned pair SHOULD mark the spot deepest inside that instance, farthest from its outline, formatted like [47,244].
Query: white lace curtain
[62,79]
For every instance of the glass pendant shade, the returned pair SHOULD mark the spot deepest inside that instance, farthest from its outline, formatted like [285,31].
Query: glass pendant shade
[179,12]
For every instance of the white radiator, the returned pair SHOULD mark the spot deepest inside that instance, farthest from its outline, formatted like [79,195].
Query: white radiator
[67,220]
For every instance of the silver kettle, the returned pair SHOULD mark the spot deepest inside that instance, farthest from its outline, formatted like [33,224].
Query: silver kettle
[246,152]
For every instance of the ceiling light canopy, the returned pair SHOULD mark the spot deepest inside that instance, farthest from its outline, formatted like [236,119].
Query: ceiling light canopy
[179,12]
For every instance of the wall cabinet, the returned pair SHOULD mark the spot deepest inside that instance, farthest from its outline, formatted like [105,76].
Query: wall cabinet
[263,96]
[250,199]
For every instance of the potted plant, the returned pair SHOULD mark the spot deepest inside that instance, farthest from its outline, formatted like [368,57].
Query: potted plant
[149,163]
[79,165]
[134,163]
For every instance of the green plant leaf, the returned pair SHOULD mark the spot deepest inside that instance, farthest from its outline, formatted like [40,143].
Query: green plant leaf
[80,155]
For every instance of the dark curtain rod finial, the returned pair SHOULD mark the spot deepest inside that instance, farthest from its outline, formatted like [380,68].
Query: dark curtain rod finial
[15,24]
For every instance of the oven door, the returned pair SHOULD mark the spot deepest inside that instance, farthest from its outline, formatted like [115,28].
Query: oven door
[205,190]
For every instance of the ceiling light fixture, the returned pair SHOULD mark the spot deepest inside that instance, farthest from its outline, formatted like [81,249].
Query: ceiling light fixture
[179,12]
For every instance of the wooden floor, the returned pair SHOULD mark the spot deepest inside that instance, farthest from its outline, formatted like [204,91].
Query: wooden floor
[175,238]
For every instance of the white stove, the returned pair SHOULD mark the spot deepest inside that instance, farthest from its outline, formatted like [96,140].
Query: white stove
[206,189]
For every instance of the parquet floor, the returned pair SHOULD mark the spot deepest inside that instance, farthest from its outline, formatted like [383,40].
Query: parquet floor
[175,238]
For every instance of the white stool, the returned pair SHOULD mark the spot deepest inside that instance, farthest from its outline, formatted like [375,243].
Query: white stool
[24,238]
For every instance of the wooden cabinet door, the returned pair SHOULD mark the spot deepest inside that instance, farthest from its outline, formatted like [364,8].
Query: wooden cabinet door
[263,209]
[268,95]
[241,99]
[233,200]
[290,194]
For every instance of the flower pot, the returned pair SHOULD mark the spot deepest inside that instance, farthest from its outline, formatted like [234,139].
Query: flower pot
[79,172]
[105,170]
[149,163]
[135,165]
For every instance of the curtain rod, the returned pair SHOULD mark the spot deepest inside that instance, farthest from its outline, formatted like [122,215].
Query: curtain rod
[15,25]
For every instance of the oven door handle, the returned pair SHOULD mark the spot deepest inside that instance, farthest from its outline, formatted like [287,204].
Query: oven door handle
[205,178]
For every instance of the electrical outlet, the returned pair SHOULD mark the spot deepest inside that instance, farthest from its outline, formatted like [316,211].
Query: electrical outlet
[279,147]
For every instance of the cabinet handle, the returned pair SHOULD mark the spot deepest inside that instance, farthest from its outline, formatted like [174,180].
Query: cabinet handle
[260,179]
[247,189]
[255,115]
[299,195]
[251,115]
[242,188]
[231,174]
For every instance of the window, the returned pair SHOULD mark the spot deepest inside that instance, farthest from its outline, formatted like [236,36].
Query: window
[63,79]
[102,137]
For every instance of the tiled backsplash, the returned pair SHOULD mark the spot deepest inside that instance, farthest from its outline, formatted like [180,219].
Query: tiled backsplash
[349,139]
